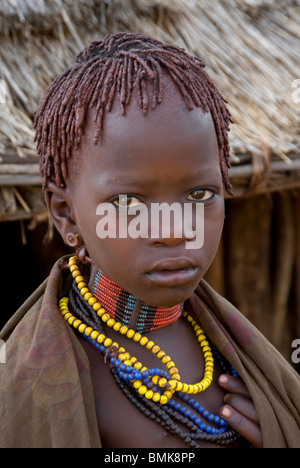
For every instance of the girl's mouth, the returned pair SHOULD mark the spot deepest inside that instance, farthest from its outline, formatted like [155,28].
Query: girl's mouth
[172,277]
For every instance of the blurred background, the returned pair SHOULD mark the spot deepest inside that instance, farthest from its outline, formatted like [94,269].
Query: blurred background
[251,48]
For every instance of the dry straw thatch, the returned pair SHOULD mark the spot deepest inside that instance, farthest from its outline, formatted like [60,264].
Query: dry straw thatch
[251,48]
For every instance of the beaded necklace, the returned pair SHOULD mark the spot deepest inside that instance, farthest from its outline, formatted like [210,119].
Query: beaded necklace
[152,390]
[120,305]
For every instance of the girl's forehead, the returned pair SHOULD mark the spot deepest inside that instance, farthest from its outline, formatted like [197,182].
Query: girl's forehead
[152,147]
[168,124]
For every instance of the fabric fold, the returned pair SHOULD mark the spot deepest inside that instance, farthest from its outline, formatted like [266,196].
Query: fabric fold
[46,393]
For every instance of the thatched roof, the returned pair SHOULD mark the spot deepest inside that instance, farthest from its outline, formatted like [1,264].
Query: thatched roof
[251,48]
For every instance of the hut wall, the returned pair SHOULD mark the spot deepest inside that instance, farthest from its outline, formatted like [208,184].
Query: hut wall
[258,266]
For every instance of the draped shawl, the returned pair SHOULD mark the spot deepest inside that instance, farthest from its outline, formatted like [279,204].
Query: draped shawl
[46,392]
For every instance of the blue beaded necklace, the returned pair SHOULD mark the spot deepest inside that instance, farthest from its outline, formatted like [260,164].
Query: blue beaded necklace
[199,423]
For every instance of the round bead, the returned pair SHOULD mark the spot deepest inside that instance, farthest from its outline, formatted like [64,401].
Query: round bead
[130,333]
[76,323]
[68,315]
[79,279]
[162,382]
[107,342]
[160,354]
[201,338]
[149,394]
[117,326]
[150,345]
[122,356]
[142,390]
[172,384]
[88,331]
[110,322]
[81,328]
[156,397]
[76,273]
[101,338]
[166,359]
[163,400]
[138,365]
[155,379]
[92,301]
[185,387]
[94,335]
[168,394]
[87,296]
[143,341]
[71,320]
[137,337]
[170,365]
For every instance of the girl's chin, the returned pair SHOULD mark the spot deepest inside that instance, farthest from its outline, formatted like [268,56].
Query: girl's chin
[168,296]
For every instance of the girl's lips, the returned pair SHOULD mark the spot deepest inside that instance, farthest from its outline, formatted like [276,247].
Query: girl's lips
[173,277]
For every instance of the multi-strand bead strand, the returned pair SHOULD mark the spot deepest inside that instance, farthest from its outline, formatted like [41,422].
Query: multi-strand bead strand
[120,305]
[173,383]
[147,388]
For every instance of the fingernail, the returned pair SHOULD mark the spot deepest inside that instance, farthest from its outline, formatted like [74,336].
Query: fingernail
[226,412]
[223,379]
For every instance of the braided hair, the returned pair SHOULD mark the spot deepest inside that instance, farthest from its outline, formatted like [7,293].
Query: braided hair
[112,68]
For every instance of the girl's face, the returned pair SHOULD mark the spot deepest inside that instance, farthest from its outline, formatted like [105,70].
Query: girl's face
[168,156]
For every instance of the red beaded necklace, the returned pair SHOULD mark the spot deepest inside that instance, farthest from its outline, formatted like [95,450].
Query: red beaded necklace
[121,305]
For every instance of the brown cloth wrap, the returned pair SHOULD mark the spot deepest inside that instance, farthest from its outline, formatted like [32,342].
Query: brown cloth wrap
[46,394]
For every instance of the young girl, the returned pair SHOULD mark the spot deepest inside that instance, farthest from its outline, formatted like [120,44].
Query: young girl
[125,345]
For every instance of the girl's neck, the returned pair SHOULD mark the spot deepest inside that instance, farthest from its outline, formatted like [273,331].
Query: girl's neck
[128,309]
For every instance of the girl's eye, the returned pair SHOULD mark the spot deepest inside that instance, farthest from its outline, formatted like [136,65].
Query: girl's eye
[125,201]
[201,195]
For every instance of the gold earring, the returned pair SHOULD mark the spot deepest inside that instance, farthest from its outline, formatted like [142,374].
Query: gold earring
[73,240]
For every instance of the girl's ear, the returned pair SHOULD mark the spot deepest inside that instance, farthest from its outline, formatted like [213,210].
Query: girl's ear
[59,206]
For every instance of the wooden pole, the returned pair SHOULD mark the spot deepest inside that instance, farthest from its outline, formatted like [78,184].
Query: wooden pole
[284,255]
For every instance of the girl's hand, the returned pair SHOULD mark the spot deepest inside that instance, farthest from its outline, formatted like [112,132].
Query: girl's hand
[239,411]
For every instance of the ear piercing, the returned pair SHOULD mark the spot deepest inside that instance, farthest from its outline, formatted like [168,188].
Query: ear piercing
[73,240]
[76,242]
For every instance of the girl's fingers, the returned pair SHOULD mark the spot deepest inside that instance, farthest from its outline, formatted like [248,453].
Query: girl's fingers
[233,385]
[243,405]
[242,425]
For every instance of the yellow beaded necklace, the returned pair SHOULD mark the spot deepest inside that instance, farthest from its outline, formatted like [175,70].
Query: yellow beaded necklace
[170,386]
